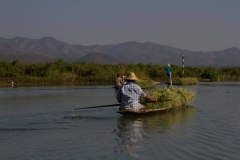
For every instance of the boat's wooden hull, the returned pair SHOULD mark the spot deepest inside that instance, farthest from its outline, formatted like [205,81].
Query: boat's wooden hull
[139,112]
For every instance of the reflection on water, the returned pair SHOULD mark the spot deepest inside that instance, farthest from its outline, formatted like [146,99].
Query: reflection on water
[130,132]
[132,129]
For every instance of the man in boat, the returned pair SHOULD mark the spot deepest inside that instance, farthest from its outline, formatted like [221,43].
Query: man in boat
[168,71]
[129,94]
[118,81]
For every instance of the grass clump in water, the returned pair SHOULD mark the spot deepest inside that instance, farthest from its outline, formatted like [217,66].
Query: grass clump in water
[179,98]
[185,81]
[146,83]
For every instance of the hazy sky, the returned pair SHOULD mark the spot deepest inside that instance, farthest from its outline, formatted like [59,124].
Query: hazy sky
[196,25]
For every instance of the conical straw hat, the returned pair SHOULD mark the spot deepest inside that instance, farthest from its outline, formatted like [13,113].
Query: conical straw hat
[131,76]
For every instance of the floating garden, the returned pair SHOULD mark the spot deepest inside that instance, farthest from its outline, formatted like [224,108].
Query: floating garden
[185,81]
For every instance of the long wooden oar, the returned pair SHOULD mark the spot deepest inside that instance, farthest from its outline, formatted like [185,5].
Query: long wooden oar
[110,105]
[118,104]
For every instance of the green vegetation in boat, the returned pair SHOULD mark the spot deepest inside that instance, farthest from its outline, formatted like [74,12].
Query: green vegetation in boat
[179,97]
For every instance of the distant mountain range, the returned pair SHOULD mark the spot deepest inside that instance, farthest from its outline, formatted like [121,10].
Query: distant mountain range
[48,49]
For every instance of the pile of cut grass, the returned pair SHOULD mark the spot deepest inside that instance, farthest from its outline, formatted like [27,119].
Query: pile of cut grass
[179,97]
[185,81]
[146,83]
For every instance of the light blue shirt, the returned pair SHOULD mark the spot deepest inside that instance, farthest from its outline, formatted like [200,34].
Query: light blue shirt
[128,95]
[168,69]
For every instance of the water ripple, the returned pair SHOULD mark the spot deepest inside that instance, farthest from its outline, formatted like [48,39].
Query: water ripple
[28,129]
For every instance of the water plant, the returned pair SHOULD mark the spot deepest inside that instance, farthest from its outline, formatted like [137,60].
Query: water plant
[78,73]
[179,97]
[185,81]
[145,83]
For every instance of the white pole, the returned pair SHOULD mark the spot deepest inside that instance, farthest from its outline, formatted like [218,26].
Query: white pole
[171,78]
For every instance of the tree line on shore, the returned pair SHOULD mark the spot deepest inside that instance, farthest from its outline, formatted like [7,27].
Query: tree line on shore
[60,72]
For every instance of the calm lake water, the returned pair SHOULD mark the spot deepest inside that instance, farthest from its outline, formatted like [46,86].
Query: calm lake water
[41,123]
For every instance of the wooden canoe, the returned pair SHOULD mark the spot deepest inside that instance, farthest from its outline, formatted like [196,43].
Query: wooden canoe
[139,112]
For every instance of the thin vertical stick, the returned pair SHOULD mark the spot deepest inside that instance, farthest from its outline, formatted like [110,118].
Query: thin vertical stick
[171,78]
[182,65]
